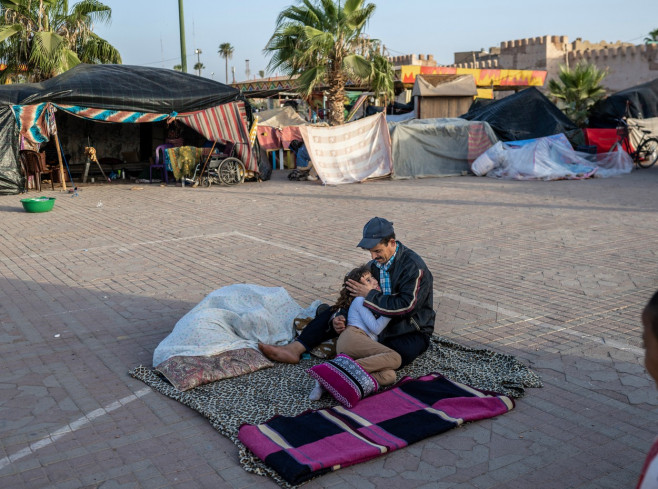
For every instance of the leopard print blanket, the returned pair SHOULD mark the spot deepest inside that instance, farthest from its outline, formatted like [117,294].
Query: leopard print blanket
[283,389]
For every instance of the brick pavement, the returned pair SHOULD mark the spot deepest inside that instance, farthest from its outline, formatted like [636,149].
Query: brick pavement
[555,273]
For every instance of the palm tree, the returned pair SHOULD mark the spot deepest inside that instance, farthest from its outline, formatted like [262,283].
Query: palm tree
[226,52]
[319,40]
[199,66]
[652,37]
[577,90]
[43,38]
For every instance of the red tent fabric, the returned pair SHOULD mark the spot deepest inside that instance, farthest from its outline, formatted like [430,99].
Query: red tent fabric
[227,122]
[603,139]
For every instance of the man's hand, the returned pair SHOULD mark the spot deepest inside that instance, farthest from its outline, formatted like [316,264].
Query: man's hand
[357,289]
[339,324]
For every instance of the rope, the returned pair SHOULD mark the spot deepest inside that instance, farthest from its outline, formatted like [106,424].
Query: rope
[61,150]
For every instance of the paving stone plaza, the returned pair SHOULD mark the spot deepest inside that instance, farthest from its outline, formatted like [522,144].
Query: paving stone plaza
[555,273]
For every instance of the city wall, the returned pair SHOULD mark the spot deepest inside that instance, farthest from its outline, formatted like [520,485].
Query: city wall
[626,64]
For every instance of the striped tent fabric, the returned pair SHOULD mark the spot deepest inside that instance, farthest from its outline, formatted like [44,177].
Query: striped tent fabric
[227,122]
[35,122]
[107,115]
[352,152]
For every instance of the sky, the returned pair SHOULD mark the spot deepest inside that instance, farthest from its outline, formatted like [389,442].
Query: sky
[146,32]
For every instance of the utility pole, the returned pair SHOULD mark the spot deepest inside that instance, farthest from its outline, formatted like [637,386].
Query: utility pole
[181,23]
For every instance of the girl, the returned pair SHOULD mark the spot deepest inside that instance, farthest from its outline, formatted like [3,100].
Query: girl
[359,339]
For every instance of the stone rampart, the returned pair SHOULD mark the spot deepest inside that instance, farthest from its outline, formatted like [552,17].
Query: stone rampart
[626,65]
[413,59]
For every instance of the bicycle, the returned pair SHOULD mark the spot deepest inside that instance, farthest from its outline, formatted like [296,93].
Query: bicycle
[646,153]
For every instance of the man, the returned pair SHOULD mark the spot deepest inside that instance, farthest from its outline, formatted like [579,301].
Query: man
[406,297]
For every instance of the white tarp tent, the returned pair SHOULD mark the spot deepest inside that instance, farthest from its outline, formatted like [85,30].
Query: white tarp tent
[637,125]
[549,158]
[280,117]
[437,147]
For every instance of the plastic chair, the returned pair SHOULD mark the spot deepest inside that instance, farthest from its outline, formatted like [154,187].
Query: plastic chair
[34,164]
[160,162]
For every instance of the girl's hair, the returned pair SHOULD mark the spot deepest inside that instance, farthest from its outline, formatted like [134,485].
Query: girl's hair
[650,314]
[345,297]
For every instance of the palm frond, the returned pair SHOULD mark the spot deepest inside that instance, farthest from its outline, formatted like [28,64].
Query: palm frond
[9,30]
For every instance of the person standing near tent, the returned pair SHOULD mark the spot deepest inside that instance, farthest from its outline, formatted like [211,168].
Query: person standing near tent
[406,296]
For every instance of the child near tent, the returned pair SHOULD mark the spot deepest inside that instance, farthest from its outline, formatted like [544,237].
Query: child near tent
[359,338]
[649,475]
[303,160]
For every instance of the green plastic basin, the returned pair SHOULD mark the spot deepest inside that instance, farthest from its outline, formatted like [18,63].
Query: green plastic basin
[38,204]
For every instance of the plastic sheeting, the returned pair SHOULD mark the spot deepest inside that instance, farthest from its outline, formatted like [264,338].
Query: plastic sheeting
[281,117]
[444,86]
[642,104]
[524,115]
[125,87]
[437,147]
[10,177]
[636,126]
[549,158]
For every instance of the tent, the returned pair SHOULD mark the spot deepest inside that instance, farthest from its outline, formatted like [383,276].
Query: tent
[278,127]
[548,158]
[119,93]
[527,114]
[443,95]
[642,103]
[437,147]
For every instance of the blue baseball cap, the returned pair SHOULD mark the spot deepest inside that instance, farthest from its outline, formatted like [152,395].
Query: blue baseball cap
[374,231]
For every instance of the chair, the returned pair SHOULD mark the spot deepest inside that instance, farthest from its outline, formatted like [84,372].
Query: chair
[160,162]
[34,164]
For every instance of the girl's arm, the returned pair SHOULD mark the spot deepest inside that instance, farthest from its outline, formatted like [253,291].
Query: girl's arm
[361,316]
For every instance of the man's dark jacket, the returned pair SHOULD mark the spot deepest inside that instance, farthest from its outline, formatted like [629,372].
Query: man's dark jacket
[410,304]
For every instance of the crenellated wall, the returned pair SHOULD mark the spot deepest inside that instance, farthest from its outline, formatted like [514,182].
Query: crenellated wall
[627,65]
[488,64]
[413,59]
[535,53]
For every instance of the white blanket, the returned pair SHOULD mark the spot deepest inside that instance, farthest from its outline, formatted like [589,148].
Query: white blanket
[350,153]
[233,317]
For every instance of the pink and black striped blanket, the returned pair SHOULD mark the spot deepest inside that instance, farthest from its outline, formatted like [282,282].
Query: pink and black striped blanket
[319,441]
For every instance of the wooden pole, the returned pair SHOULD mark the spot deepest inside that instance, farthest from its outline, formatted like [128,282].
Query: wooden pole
[214,143]
[62,178]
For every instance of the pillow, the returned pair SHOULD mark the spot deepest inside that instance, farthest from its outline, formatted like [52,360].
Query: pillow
[188,372]
[344,379]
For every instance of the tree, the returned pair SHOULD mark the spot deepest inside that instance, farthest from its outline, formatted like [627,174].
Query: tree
[652,37]
[576,90]
[178,67]
[43,38]
[261,73]
[226,52]
[199,66]
[319,40]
